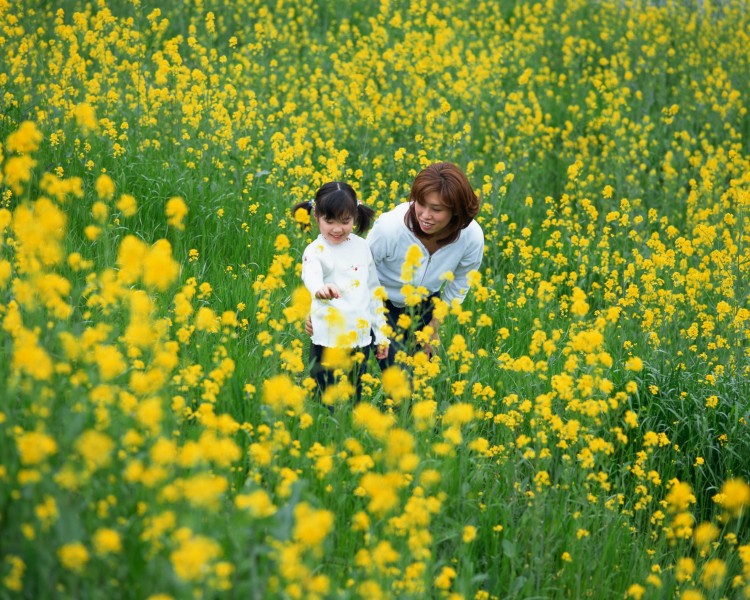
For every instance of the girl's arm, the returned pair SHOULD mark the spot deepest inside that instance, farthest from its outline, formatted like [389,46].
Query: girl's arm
[312,271]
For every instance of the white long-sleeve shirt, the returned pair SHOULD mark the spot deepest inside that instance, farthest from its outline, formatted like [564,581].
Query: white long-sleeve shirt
[350,267]
[389,240]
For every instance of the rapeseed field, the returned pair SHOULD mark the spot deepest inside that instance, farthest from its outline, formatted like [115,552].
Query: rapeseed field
[581,430]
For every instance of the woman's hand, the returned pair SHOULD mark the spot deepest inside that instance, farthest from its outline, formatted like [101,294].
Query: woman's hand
[381,352]
[328,292]
[308,326]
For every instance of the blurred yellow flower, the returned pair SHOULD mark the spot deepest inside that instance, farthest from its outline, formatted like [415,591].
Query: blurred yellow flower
[127,205]
[73,556]
[105,187]
[25,139]
[176,210]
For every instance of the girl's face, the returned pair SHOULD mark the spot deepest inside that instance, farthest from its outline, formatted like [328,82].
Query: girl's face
[433,216]
[335,231]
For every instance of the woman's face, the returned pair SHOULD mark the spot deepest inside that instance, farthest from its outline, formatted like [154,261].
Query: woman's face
[433,216]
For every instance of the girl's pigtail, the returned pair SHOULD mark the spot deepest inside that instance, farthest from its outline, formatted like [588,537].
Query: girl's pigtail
[365,217]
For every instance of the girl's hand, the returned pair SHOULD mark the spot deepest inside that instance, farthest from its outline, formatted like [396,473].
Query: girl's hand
[381,352]
[308,326]
[328,292]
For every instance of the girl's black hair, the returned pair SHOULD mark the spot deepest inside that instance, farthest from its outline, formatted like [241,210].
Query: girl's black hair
[337,200]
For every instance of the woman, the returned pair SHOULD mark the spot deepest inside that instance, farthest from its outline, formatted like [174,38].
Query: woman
[439,220]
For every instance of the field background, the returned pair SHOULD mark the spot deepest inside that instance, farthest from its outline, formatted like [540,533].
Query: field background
[582,431]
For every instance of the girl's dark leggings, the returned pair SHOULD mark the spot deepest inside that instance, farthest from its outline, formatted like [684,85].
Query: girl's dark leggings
[324,377]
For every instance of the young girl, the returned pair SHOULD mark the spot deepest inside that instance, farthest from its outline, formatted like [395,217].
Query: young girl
[339,272]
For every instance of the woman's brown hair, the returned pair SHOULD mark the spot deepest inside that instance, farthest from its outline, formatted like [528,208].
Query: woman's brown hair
[454,190]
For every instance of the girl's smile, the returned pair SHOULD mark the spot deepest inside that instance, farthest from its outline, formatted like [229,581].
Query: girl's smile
[336,231]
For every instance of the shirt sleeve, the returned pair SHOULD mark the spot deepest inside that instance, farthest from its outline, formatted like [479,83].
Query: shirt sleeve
[312,270]
[470,261]
[377,239]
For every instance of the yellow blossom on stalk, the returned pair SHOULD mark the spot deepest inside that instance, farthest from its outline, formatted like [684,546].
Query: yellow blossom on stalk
[311,526]
[105,187]
[95,448]
[127,205]
[34,447]
[25,139]
[411,263]
[396,384]
[369,417]
[130,256]
[193,555]
[705,533]
[685,569]
[257,503]
[206,320]
[17,172]
[85,116]
[176,210]
[680,496]
[73,556]
[160,270]
[204,490]
[634,364]
[469,534]
[458,414]
[299,306]
[382,490]
[280,393]
[13,580]
[714,572]
[579,306]
[734,497]
[302,217]
[445,578]
[110,361]
[107,541]
[337,358]
[635,591]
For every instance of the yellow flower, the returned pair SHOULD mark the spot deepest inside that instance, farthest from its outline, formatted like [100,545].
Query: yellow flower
[396,384]
[73,557]
[110,361]
[634,364]
[127,205]
[160,270]
[176,210]
[25,139]
[445,578]
[704,534]
[17,171]
[192,557]
[107,541]
[734,496]
[469,534]
[257,503]
[105,187]
[85,116]
[311,526]
[411,263]
[714,572]
[95,448]
[35,447]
